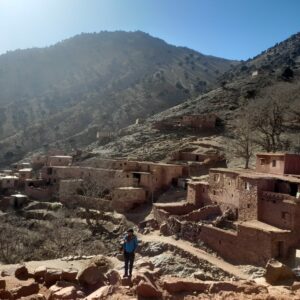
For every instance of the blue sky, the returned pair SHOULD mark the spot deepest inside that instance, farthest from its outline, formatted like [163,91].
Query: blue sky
[236,29]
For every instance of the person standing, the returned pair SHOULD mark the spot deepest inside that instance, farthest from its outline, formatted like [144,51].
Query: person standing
[129,246]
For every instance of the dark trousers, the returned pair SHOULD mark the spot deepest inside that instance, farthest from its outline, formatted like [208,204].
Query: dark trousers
[129,259]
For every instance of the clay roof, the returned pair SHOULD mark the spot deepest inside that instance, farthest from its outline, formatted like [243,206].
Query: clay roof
[263,226]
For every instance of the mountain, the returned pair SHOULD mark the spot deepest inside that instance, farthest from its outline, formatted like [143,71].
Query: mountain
[274,74]
[64,94]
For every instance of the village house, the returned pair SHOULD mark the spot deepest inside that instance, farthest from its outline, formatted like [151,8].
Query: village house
[200,122]
[131,181]
[259,212]
[8,182]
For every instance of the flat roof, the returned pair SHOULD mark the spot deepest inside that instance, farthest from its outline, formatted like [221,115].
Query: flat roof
[130,188]
[25,170]
[19,196]
[249,173]
[271,154]
[263,226]
[61,156]
[9,177]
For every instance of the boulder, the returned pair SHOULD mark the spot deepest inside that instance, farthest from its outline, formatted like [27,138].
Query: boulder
[101,293]
[147,289]
[94,272]
[277,272]
[65,290]
[6,295]
[69,274]
[21,272]
[69,292]
[176,285]
[2,284]
[26,289]
[39,273]
[113,277]
[52,275]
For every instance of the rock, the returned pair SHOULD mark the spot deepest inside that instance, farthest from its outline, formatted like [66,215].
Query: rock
[126,281]
[27,289]
[6,295]
[153,249]
[147,289]
[176,285]
[2,284]
[217,287]
[65,290]
[69,292]
[21,272]
[39,274]
[120,256]
[145,264]
[94,272]
[34,297]
[296,286]
[202,276]
[113,277]
[164,229]
[9,272]
[277,271]
[101,293]
[69,274]
[52,275]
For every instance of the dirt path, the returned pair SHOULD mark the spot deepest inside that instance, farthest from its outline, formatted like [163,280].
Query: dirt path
[188,247]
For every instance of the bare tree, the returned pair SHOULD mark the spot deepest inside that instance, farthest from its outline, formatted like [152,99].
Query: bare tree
[242,144]
[268,121]
[91,189]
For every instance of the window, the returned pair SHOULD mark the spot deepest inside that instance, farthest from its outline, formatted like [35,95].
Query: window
[248,205]
[247,186]
[262,161]
[214,192]
[216,177]
[203,190]
[273,163]
[284,215]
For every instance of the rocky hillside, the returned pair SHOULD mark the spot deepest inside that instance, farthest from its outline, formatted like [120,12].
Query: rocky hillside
[273,75]
[104,81]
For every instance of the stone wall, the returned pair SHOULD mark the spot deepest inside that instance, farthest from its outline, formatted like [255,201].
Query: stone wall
[126,198]
[264,163]
[87,202]
[201,214]
[198,194]
[278,210]
[39,193]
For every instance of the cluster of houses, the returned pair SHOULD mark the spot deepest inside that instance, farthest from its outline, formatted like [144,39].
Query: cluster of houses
[247,216]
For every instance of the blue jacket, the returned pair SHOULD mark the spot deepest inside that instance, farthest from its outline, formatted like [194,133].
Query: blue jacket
[130,245]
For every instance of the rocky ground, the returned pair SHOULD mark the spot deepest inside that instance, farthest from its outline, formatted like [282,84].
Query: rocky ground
[165,268]
[157,275]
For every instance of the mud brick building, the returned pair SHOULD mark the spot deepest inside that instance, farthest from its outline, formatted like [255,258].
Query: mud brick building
[259,211]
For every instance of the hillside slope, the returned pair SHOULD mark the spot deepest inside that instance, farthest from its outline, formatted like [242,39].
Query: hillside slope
[65,93]
[239,88]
